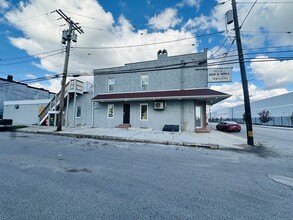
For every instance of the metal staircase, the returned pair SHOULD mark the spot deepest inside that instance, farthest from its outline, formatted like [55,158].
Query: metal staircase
[73,86]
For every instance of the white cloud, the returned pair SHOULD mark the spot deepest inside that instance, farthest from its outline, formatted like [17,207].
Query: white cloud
[235,89]
[200,23]
[43,34]
[265,24]
[274,74]
[190,3]
[53,85]
[30,76]
[3,5]
[166,19]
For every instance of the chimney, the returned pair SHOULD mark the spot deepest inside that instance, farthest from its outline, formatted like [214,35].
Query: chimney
[162,54]
[10,78]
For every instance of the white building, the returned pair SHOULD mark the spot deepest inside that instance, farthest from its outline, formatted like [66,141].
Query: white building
[280,109]
[24,112]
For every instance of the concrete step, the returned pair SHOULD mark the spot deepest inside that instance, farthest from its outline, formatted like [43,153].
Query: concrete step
[123,126]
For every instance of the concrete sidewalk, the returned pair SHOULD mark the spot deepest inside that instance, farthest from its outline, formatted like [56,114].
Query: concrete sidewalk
[213,140]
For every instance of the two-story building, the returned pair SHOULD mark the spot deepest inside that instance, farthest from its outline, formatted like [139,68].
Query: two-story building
[170,93]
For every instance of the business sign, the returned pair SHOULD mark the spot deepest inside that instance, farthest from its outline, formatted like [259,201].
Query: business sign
[220,75]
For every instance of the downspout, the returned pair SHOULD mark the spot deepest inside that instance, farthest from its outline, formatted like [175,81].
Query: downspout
[93,120]
[74,104]
[182,118]
[67,108]
[55,115]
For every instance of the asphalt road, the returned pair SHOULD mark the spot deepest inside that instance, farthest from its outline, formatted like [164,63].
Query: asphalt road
[52,177]
[276,138]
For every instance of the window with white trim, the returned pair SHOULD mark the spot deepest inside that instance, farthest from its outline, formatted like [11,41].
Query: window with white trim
[78,111]
[144,81]
[111,84]
[110,113]
[143,112]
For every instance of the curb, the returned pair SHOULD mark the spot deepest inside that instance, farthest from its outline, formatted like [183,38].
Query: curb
[114,138]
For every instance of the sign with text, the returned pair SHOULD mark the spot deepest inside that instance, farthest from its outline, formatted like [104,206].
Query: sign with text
[220,75]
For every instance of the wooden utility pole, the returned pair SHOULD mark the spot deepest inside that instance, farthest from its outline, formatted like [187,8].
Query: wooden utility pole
[248,120]
[67,36]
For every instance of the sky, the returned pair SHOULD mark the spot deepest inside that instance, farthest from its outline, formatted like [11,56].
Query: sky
[117,32]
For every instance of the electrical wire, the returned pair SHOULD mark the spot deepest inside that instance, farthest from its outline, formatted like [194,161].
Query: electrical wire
[267,2]
[227,54]
[37,54]
[148,44]
[219,47]
[26,81]
[33,59]
[193,64]
[247,14]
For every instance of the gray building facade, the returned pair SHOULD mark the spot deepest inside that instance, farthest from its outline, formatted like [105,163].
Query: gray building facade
[12,91]
[170,91]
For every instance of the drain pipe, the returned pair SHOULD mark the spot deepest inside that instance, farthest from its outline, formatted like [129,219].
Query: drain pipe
[74,104]
[93,120]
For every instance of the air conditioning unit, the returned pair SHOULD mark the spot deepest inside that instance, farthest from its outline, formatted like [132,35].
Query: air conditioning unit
[159,105]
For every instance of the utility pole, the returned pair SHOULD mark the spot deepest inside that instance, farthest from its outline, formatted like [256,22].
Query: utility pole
[67,36]
[248,120]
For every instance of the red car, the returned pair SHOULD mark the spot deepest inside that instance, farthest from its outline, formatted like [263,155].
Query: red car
[228,126]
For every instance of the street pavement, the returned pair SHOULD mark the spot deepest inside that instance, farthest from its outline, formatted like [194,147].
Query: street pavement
[213,140]
[56,177]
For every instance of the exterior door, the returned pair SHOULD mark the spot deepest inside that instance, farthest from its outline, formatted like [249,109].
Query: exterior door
[126,114]
[198,115]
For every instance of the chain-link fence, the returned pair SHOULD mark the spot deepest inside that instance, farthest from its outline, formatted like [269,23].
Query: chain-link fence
[283,121]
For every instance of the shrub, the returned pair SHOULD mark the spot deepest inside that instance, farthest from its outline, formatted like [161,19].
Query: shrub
[264,116]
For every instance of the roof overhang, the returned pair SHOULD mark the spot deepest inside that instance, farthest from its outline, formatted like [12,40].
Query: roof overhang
[208,95]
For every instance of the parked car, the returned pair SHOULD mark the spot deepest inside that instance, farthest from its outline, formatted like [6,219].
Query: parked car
[228,126]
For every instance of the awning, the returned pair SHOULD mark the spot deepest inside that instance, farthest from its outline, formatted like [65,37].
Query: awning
[208,95]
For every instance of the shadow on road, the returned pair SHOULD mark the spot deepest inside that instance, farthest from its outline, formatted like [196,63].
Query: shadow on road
[259,150]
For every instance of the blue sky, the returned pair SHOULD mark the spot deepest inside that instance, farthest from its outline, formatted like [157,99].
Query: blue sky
[31,39]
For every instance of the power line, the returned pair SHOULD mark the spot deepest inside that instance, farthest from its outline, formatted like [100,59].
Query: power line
[220,47]
[267,2]
[269,32]
[84,16]
[19,62]
[37,54]
[227,53]
[148,44]
[33,17]
[26,81]
[192,64]
[248,13]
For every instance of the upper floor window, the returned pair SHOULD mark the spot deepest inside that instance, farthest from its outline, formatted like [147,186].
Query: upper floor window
[144,81]
[111,84]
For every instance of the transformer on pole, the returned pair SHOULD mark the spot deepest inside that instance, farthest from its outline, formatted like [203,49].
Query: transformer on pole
[247,113]
[67,36]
